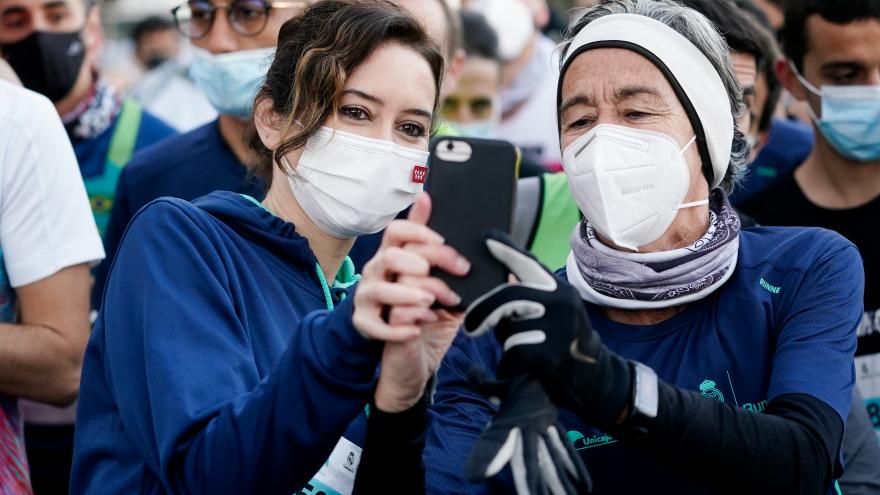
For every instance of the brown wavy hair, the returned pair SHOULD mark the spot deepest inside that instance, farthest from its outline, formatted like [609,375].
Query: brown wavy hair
[317,52]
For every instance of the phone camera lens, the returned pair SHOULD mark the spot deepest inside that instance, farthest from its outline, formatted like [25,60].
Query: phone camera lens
[449,146]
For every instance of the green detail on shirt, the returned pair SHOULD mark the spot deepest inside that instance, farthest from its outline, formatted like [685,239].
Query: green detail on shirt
[443,129]
[102,188]
[580,442]
[557,218]
[770,288]
[345,277]
[710,391]
[765,171]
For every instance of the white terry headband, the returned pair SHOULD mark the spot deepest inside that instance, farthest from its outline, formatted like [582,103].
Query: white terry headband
[696,82]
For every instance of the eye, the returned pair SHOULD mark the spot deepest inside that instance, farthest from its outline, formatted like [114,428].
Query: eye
[413,130]
[14,22]
[356,113]
[450,106]
[481,107]
[844,79]
[635,114]
[844,76]
[247,13]
[580,123]
[201,11]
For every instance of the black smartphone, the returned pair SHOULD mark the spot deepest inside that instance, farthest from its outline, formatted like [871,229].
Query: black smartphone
[472,183]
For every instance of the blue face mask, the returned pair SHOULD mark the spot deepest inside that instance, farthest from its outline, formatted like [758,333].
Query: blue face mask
[231,80]
[850,119]
[484,129]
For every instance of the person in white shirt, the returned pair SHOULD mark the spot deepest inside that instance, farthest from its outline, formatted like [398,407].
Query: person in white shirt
[48,239]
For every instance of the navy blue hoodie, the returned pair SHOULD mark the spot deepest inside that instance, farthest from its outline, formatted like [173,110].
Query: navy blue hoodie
[215,366]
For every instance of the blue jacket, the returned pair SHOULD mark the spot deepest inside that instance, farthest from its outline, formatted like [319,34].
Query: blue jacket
[186,166]
[785,322]
[215,366]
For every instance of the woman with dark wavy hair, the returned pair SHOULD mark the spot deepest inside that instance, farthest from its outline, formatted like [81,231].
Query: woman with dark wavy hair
[234,352]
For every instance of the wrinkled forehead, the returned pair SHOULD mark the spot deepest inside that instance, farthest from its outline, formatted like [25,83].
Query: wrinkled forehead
[633,76]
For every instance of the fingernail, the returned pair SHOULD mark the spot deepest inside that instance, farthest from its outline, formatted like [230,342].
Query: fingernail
[462,264]
[454,299]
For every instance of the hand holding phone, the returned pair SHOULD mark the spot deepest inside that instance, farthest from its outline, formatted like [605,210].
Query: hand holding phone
[472,184]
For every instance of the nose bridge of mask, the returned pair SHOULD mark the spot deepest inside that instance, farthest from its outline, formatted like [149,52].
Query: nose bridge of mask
[331,153]
[848,102]
[630,182]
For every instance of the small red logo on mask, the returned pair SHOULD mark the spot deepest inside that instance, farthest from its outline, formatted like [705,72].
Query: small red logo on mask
[419,174]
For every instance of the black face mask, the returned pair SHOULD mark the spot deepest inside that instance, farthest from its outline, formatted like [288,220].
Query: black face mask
[48,63]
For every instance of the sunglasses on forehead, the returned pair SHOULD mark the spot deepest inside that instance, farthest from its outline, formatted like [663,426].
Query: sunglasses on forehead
[195,18]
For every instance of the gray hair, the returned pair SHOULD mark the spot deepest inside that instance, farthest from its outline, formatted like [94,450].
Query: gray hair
[699,31]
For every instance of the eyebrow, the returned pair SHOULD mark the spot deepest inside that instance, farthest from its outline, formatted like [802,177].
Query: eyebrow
[619,95]
[574,101]
[749,90]
[412,111]
[631,91]
[847,64]
[54,4]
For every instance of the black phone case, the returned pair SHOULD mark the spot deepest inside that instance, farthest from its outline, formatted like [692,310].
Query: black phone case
[468,199]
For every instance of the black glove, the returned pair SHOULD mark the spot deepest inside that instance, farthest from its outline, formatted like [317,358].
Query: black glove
[544,329]
[527,435]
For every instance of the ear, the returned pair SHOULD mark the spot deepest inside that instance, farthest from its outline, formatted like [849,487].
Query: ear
[93,34]
[453,73]
[267,123]
[542,16]
[789,80]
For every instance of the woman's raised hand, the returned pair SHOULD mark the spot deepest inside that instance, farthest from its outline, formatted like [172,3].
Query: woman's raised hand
[397,284]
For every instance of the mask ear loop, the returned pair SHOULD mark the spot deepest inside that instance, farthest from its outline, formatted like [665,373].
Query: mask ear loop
[693,203]
[809,87]
[688,145]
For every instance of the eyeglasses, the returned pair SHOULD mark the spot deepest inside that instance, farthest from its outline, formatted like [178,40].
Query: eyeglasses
[195,18]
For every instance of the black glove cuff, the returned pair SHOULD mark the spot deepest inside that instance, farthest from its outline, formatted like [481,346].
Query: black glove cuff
[615,386]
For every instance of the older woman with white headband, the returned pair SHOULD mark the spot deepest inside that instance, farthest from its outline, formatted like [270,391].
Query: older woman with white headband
[686,354]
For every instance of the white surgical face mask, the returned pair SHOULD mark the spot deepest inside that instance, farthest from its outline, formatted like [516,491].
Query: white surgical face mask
[629,183]
[512,22]
[350,185]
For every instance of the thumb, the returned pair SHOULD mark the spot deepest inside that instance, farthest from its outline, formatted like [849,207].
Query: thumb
[421,209]
[520,262]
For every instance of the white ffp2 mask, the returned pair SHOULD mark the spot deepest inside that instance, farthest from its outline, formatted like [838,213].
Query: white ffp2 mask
[350,185]
[629,183]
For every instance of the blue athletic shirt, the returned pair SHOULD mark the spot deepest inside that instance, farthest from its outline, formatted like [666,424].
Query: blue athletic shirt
[215,366]
[785,322]
[187,166]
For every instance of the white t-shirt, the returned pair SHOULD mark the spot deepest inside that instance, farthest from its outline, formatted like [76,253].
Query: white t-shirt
[46,223]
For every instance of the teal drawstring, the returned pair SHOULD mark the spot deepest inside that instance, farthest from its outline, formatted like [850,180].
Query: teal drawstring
[344,279]
[328,298]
